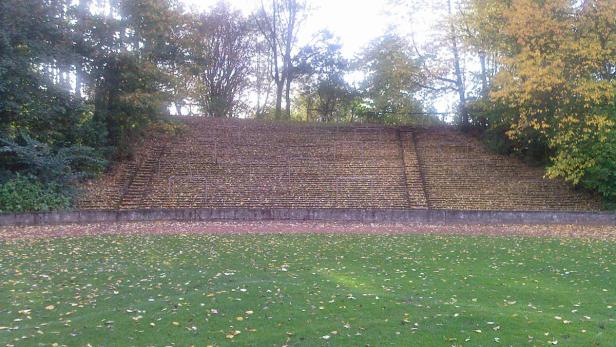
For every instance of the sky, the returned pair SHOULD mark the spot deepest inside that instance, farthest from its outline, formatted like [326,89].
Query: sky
[355,22]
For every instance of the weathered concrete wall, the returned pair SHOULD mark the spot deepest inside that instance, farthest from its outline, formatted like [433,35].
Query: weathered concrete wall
[342,215]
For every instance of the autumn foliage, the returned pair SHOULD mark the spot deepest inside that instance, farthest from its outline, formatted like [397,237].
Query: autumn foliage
[557,82]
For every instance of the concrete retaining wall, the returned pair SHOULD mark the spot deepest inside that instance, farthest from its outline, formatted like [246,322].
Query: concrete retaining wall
[342,215]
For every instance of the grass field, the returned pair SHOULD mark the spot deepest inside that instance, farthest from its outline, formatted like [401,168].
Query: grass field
[307,290]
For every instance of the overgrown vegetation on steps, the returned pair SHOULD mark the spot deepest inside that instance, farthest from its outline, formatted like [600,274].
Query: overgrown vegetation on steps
[552,96]
[73,95]
[42,178]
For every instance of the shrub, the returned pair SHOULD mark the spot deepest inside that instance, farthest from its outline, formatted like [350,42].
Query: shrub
[64,165]
[26,194]
[496,141]
[601,175]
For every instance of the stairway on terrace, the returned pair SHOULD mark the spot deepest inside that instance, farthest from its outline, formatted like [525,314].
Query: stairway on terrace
[460,173]
[244,163]
[414,180]
[110,190]
[106,192]
[247,163]
[139,184]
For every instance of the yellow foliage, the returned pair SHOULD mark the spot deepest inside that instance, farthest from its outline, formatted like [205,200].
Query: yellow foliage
[557,71]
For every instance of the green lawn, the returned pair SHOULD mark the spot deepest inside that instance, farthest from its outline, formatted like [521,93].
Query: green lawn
[308,290]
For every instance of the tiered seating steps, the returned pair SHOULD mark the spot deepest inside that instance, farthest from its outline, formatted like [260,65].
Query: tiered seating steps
[248,163]
[460,173]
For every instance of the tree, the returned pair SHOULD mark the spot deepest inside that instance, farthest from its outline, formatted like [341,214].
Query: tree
[393,79]
[132,51]
[261,68]
[321,69]
[222,48]
[118,52]
[279,25]
[443,55]
[480,23]
[36,52]
[459,84]
[557,75]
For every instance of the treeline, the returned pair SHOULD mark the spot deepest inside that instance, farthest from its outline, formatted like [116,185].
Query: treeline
[78,81]
[81,80]
[535,79]
[546,84]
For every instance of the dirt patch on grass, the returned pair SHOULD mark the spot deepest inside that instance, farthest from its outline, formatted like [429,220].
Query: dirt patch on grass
[174,228]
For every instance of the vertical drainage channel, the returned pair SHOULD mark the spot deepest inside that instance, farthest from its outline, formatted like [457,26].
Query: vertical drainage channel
[404,174]
[421,169]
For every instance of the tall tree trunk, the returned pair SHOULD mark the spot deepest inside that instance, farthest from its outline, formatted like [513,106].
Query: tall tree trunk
[308,108]
[278,79]
[258,84]
[279,91]
[458,70]
[484,74]
[288,97]
[178,109]
[78,77]
[82,12]
[288,64]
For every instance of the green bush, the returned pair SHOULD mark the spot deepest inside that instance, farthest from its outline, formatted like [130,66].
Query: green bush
[497,141]
[601,177]
[26,194]
[63,165]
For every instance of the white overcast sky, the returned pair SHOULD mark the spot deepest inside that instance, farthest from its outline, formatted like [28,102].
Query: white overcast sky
[355,22]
